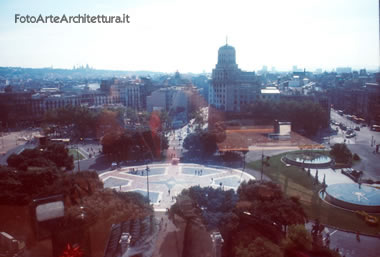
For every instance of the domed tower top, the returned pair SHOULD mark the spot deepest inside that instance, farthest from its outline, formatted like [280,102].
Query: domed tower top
[226,55]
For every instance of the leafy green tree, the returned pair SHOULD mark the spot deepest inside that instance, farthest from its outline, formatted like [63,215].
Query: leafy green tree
[186,208]
[192,143]
[260,247]
[341,153]
[298,112]
[215,204]
[81,120]
[54,156]
[298,238]
[261,198]
[201,142]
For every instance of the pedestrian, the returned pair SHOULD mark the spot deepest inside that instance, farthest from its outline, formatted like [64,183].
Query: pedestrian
[357,237]
[169,191]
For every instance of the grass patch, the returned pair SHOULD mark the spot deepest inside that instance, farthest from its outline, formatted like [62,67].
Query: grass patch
[295,182]
[76,154]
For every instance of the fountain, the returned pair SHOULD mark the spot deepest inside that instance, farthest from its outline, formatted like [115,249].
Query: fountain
[308,159]
[353,197]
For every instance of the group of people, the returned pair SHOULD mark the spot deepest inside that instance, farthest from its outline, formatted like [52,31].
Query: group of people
[198,172]
[136,171]
[92,152]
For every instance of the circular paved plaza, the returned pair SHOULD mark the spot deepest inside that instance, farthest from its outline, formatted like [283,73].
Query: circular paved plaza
[167,181]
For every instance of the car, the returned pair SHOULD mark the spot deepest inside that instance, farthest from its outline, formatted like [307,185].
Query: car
[350,135]
[357,128]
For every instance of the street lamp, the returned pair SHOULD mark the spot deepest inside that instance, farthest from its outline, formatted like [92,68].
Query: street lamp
[147,181]
[78,155]
[262,164]
[78,158]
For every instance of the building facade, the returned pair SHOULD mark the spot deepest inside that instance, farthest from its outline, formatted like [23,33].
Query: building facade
[230,87]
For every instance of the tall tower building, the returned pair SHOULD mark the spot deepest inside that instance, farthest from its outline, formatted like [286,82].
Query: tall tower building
[231,88]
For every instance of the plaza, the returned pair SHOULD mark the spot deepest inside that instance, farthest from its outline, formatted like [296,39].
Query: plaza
[166,181]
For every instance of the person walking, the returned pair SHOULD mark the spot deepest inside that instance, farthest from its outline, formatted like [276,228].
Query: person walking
[357,237]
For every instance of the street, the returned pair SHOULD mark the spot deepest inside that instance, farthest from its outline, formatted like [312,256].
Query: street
[363,144]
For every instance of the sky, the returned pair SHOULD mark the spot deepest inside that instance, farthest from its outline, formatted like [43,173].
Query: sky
[171,35]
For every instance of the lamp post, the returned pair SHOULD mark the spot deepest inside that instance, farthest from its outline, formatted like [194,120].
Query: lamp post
[244,155]
[147,181]
[78,155]
[262,164]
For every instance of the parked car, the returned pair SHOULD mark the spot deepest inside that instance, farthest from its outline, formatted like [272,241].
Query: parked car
[342,126]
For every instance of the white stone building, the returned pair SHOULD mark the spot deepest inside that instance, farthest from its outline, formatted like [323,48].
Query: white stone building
[231,88]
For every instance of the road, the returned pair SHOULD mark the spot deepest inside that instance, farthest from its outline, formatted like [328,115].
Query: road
[349,245]
[360,144]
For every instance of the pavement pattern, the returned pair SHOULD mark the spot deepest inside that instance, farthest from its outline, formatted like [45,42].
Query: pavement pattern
[166,181]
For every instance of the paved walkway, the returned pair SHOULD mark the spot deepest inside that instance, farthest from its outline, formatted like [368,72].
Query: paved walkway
[166,181]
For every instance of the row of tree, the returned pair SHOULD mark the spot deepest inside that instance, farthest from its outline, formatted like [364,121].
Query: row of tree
[204,142]
[38,174]
[53,156]
[134,145]
[304,115]
[258,220]
[85,122]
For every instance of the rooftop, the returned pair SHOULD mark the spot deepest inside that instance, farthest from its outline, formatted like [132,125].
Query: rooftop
[270,90]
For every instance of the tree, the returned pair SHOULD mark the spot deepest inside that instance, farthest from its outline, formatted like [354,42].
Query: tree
[192,143]
[260,247]
[215,204]
[77,120]
[298,112]
[54,156]
[109,121]
[201,142]
[341,153]
[186,208]
[59,155]
[298,238]
[261,198]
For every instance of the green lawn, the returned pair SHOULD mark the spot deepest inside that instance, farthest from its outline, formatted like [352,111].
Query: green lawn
[75,154]
[296,182]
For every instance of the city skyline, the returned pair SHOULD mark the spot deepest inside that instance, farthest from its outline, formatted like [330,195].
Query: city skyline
[175,35]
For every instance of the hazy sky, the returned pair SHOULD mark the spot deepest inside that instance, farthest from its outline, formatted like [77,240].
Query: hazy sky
[179,35]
